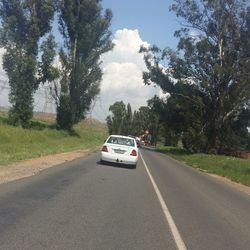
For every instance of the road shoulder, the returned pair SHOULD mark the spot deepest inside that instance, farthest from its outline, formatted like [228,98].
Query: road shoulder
[236,185]
[233,184]
[33,166]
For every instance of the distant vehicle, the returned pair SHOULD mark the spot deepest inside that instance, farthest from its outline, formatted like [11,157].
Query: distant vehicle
[120,149]
[137,139]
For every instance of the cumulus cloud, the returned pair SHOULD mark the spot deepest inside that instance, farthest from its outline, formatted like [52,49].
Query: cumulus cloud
[127,45]
[122,74]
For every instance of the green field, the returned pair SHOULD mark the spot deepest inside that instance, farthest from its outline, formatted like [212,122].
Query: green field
[43,138]
[236,169]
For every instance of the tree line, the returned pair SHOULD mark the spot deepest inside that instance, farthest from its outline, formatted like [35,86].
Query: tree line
[207,78]
[123,121]
[26,34]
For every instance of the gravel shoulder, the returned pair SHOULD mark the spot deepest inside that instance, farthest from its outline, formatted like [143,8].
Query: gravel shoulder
[31,167]
[233,184]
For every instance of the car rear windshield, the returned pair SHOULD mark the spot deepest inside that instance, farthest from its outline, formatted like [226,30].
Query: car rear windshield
[121,141]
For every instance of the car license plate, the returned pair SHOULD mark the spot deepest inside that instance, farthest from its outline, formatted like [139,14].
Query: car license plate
[119,151]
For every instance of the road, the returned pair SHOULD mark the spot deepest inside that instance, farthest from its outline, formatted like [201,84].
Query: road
[85,205]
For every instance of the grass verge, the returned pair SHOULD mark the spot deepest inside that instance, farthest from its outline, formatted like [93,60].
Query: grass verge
[43,138]
[236,169]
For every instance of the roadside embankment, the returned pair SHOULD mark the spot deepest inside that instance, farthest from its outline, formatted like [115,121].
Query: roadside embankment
[33,166]
[42,138]
[235,169]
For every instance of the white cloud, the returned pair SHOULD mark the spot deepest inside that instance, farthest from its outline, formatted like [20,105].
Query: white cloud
[122,74]
[127,45]
[116,77]
[4,90]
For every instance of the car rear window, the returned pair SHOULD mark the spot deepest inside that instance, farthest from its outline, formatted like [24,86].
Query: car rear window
[121,141]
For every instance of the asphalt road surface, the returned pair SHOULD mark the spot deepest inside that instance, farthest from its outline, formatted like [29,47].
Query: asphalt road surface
[160,205]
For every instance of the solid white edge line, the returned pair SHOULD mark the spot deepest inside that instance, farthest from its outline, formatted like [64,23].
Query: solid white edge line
[174,230]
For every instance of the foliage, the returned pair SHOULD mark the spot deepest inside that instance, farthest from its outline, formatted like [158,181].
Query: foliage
[171,119]
[47,72]
[86,34]
[116,120]
[208,76]
[126,126]
[124,122]
[23,23]
[147,120]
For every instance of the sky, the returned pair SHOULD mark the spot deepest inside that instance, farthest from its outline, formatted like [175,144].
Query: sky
[135,23]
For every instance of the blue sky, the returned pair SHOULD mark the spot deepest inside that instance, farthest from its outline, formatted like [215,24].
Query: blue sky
[156,24]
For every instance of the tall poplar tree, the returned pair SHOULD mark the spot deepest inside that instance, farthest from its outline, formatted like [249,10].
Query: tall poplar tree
[85,29]
[23,24]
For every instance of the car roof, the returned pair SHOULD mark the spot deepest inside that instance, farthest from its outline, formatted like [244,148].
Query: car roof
[122,136]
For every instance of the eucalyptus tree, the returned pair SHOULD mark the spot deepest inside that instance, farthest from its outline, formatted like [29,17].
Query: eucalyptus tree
[171,120]
[85,30]
[209,72]
[23,24]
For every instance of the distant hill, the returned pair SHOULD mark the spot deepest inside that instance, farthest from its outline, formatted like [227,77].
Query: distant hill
[51,118]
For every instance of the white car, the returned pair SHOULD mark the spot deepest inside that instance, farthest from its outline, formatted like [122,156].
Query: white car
[120,149]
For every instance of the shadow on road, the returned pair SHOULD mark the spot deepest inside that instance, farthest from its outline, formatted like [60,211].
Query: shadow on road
[115,165]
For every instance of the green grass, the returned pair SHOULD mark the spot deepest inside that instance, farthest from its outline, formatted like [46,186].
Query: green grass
[43,138]
[236,169]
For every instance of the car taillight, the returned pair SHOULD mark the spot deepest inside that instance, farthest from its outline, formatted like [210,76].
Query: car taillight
[133,153]
[104,148]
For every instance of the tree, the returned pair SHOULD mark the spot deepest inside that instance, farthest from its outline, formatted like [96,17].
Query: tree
[208,75]
[123,122]
[136,124]
[23,23]
[126,126]
[86,34]
[171,119]
[145,119]
[116,120]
